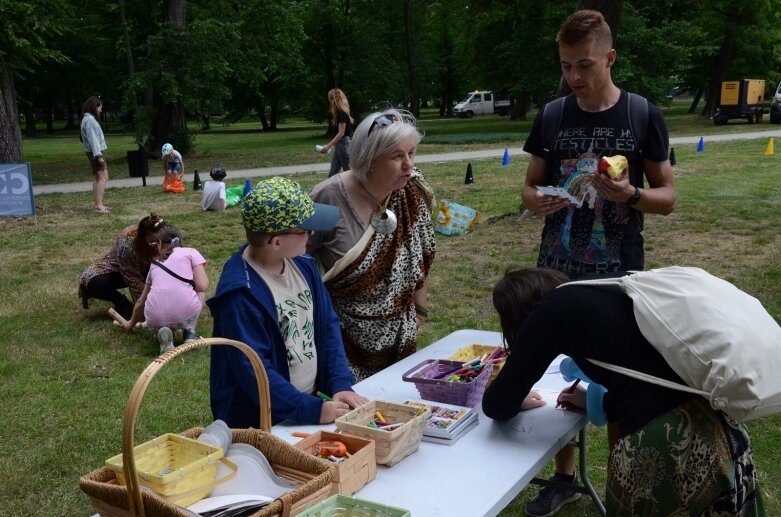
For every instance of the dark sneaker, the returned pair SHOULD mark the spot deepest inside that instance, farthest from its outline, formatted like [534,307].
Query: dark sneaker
[166,339]
[189,335]
[551,499]
[83,296]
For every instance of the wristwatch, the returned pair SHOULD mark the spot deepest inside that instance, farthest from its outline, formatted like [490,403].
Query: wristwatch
[632,201]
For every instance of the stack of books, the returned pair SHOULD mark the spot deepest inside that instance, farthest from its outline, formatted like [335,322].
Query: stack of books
[447,423]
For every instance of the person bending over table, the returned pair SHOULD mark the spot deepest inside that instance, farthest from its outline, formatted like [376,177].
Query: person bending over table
[125,265]
[375,261]
[270,296]
[675,454]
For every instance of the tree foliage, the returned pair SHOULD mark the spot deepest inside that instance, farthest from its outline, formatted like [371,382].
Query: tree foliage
[261,59]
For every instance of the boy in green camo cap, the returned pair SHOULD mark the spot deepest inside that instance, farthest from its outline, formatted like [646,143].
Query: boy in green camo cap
[270,296]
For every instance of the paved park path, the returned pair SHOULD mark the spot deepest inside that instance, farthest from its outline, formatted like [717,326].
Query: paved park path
[495,154]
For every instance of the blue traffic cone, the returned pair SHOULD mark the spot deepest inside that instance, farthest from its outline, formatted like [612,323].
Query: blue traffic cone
[196,181]
[701,146]
[247,187]
[506,158]
[673,162]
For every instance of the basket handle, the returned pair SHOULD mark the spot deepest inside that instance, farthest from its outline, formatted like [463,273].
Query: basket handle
[136,395]
[407,376]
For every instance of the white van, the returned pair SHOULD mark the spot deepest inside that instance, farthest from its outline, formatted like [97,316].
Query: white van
[480,103]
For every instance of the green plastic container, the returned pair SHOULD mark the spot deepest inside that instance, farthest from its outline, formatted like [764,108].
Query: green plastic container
[345,506]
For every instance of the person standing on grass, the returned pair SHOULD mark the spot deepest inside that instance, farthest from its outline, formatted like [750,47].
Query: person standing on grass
[376,260]
[91,135]
[173,168]
[341,119]
[604,234]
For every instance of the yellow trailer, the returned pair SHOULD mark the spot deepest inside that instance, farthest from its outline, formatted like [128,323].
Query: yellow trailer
[740,99]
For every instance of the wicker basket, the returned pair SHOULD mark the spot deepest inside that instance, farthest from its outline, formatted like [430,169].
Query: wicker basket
[439,390]
[343,506]
[111,499]
[180,468]
[390,446]
[468,353]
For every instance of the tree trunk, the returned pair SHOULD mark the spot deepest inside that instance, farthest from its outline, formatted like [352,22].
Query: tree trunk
[10,132]
[414,105]
[70,117]
[130,69]
[695,100]
[611,10]
[720,70]
[49,119]
[29,121]
[274,115]
[171,120]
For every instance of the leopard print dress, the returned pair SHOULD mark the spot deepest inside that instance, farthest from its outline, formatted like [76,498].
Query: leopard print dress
[373,296]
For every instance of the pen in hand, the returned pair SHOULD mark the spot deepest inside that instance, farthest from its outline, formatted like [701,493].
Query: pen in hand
[324,396]
[571,389]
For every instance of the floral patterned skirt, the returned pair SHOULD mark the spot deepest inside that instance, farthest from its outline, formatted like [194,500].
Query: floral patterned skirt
[691,461]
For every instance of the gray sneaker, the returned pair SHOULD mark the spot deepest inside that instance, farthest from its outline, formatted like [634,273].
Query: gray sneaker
[166,339]
[551,499]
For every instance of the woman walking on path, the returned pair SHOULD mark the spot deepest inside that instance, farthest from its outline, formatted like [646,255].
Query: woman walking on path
[94,145]
[341,119]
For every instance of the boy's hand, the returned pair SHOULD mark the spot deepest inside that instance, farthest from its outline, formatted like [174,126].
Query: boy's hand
[545,205]
[332,410]
[350,398]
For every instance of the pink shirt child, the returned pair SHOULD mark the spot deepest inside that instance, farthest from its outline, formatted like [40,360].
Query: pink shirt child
[171,301]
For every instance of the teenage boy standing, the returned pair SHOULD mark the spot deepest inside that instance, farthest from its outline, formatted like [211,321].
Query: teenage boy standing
[604,233]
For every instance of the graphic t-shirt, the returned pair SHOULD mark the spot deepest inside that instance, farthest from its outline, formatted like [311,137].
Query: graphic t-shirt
[600,235]
[295,313]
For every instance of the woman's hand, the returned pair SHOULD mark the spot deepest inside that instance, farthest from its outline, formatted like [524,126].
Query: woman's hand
[575,401]
[332,410]
[324,149]
[350,398]
[532,400]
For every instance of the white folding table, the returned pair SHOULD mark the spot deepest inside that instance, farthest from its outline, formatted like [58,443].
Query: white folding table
[487,467]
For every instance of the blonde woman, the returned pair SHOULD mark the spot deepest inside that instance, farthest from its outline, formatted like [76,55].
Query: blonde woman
[341,119]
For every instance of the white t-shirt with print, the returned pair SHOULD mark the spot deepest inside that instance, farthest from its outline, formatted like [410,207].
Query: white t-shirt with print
[294,304]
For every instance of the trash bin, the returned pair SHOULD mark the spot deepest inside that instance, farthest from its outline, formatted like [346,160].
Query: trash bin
[137,164]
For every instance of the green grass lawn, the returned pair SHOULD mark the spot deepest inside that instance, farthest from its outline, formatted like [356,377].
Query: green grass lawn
[67,372]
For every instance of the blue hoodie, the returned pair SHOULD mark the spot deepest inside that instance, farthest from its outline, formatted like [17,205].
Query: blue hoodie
[243,310]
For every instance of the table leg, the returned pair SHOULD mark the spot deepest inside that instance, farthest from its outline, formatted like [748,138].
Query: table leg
[584,472]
